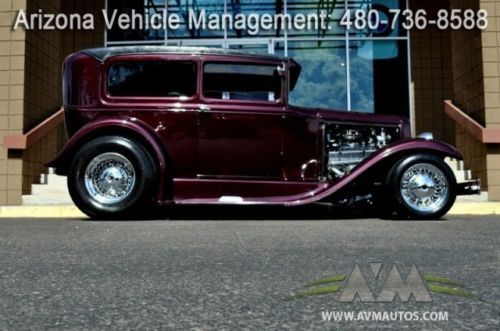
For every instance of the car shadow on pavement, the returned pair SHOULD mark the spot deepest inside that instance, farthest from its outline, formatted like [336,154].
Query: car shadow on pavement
[313,212]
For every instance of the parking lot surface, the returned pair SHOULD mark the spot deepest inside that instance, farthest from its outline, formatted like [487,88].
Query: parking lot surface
[241,270]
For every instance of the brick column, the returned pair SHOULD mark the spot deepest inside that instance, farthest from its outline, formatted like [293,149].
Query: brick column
[432,74]
[476,90]
[42,92]
[468,90]
[30,86]
[12,77]
[491,69]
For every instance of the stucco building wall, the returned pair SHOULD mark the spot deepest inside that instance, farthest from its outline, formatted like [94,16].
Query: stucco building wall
[491,73]
[431,69]
[476,90]
[468,90]
[12,91]
[30,87]
[42,93]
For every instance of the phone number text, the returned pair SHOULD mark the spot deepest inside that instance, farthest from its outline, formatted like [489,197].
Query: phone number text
[408,19]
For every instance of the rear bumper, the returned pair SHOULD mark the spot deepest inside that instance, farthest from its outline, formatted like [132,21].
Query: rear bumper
[470,187]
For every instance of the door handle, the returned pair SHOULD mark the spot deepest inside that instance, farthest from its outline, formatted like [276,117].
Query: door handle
[203,108]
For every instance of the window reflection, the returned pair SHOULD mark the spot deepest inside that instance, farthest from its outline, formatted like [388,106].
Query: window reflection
[126,7]
[323,81]
[253,48]
[182,8]
[259,7]
[375,81]
[333,8]
[379,76]
[383,9]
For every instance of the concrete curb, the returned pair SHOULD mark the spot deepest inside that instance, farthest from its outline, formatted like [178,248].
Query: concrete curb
[71,211]
[54,211]
[475,208]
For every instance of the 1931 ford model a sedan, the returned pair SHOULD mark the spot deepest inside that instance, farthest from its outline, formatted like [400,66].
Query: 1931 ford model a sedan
[205,126]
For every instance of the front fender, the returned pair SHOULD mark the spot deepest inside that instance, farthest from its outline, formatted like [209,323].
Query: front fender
[395,151]
[113,126]
[418,145]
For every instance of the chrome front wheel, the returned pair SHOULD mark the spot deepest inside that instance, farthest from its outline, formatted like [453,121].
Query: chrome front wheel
[424,187]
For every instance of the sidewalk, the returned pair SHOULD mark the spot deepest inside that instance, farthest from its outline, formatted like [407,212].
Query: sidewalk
[49,211]
[71,211]
[475,208]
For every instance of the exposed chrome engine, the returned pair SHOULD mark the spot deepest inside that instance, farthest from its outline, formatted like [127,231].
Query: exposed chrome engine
[348,145]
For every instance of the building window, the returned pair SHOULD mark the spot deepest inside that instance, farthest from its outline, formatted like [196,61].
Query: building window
[323,81]
[378,70]
[334,9]
[346,70]
[182,8]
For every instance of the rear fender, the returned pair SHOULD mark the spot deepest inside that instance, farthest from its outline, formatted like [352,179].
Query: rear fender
[116,126]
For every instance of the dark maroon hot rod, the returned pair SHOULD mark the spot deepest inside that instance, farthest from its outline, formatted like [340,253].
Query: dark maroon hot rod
[170,125]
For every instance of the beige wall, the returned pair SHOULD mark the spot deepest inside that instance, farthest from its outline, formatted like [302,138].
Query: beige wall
[29,93]
[12,78]
[45,52]
[431,75]
[468,90]
[476,90]
[491,71]
[42,93]
[76,40]
[30,87]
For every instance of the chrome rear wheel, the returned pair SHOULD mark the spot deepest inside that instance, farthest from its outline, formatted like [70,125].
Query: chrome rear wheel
[110,178]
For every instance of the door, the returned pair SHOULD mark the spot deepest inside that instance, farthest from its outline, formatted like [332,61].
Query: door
[240,132]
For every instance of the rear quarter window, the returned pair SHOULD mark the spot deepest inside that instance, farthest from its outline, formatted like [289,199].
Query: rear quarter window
[152,79]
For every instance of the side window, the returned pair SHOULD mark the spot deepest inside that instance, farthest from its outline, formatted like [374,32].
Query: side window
[235,81]
[152,79]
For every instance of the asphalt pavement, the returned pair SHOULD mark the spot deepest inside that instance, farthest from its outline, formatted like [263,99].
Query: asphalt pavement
[239,270]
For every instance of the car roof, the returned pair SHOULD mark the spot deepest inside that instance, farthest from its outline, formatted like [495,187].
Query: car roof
[103,53]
